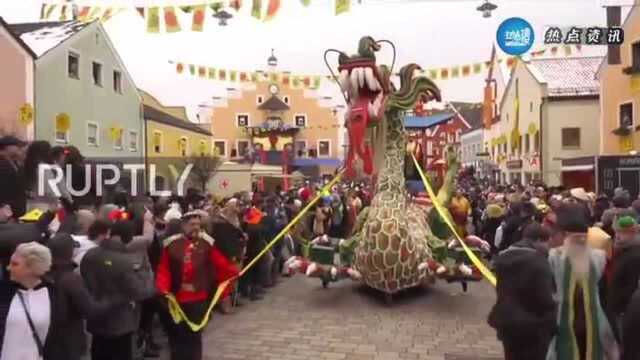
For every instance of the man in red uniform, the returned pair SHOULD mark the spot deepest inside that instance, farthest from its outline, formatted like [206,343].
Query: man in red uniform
[191,268]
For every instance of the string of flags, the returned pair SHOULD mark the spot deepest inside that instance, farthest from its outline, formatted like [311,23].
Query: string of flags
[313,82]
[168,17]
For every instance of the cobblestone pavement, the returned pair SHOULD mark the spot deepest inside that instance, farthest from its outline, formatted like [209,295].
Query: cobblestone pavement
[299,320]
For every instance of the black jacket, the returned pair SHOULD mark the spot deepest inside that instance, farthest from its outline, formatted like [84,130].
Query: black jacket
[624,279]
[631,329]
[110,275]
[14,234]
[525,308]
[73,305]
[13,189]
[229,239]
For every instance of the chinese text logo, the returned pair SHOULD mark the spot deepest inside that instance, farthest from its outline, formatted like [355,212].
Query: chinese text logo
[515,36]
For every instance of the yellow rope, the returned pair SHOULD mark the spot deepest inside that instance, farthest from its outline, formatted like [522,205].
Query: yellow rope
[178,315]
[474,259]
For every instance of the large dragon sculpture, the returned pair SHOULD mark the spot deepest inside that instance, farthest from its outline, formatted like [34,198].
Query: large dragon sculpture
[392,247]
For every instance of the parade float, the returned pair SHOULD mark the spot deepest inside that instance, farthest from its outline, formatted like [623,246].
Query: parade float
[397,243]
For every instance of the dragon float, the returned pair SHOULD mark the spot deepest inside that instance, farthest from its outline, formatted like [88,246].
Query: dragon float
[396,242]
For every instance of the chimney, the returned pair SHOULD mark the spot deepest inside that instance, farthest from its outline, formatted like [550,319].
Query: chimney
[614,19]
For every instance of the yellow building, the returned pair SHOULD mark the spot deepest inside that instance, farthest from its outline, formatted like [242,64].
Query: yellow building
[171,137]
[619,77]
[256,122]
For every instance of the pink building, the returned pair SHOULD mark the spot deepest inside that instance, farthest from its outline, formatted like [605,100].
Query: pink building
[17,88]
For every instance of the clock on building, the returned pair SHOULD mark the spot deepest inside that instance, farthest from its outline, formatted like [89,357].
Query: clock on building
[273,89]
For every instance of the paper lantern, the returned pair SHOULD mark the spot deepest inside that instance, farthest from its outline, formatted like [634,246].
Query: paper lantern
[63,122]
[26,114]
[115,132]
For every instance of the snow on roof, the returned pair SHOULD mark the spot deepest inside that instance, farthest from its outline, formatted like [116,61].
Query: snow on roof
[567,76]
[44,36]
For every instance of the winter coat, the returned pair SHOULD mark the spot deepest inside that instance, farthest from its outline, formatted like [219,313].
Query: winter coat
[229,238]
[110,273]
[525,308]
[631,329]
[13,189]
[624,278]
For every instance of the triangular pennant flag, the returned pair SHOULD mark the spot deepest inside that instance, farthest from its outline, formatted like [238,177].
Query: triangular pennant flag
[140,11]
[222,75]
[487,64]
[192,69]
[254,77]
[306,81]
[342,6]
[567,50]
[153,19]
[187,9]
[84,13]
[63,13]
[212,73]
[202,71]
[511,62]
[477,68]
[444,74]
[455,72]
[235,4]
[170,19]
[199,12]
[433,74]
[43,11]
[305,2]
[273,77]
[256,9]
[179,68]
[466,70]
[286,79]
[243,77]
[554,50]
[316,82]
[108,13]
[233,75]
[49,11]
[296,83]
[272,9]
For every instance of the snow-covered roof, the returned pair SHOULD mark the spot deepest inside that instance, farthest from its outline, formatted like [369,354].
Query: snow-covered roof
[43,36]
[567,76]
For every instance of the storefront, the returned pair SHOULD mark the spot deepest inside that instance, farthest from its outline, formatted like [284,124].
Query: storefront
[603,174]
[515,171]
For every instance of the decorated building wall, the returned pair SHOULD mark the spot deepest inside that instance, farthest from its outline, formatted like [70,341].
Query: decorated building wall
[87,104]
[620,95]
[16,72]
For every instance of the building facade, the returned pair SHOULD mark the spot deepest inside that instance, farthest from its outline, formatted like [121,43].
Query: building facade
[17,74]
[472,150]
[276,124]
[549,112]
[83,93]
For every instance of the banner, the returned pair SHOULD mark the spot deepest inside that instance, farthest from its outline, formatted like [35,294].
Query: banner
[199,12]
[272,9]
[153,19]
[342,6]
[256,9]
[170,19]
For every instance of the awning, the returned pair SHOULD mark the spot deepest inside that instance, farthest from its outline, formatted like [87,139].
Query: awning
[317,162]
[578,168]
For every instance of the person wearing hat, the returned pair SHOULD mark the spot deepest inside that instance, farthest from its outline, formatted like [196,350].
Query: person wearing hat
[190,269]
[493,217]
[625,271]
[13,190]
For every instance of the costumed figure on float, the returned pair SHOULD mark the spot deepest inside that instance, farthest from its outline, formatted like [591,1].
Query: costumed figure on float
[392,246]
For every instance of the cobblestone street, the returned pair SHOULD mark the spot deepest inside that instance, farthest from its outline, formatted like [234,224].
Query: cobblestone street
[300,320]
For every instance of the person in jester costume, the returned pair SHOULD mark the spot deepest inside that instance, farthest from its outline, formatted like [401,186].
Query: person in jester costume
[392,246]
[583,331]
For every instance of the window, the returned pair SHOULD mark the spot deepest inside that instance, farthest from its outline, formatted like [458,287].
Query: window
[527,145]
[92,134]
[301,120]
[286,100]
[62,136]
[243,147]
[203,148]
[635,55]
[183,146]
[73,65]
[96,71]
[157,142]
[259,99]
[531,106]
[117,81]
[133,140]
[626,115]
[571,138]
[242,120]
[324,148]
[220,147]
[300,148]
[118,142]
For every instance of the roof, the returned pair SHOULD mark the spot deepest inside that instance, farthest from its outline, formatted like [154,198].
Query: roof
[41,37]
[162,117]
[17,38]
[274,104]
[567,76]
[625,22]
[425,122]
[471,112]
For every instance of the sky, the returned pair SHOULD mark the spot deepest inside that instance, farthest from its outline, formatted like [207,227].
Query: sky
[431,33]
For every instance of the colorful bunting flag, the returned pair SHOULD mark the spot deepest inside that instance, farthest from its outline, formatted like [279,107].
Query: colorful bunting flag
[233,75]
[244,77]
[140,11]
[316,82]
[567,50]
[43,10]
[272,10]
[222,75]
[212,73]
[305,2]
[433,74]
[202,71]
[192,69]
[466,70]
[63,13]
[108,13]
[256,9]
[186,9]
[170,19]
[83,15]
[235,4]
[342,6]
[153,19]
[49,11]
[198,18]
[477,68]
[179,68]
[444,74]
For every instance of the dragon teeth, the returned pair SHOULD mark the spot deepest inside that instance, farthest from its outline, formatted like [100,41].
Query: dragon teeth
[371,80]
